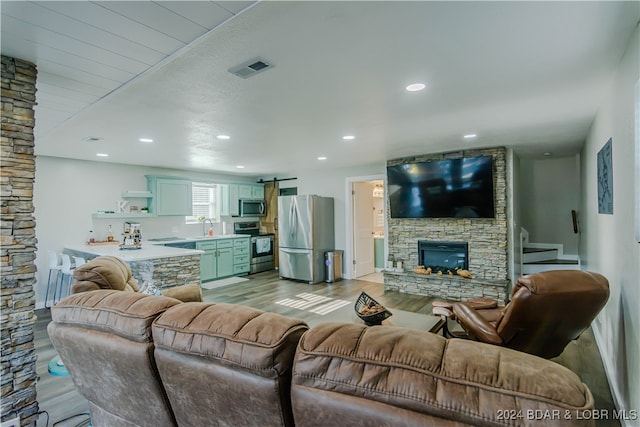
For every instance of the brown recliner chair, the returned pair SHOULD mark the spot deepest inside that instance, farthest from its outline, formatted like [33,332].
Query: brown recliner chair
[108,272]
[104,338]
[547,310]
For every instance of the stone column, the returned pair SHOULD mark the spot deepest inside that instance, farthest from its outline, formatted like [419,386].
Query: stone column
[17,243]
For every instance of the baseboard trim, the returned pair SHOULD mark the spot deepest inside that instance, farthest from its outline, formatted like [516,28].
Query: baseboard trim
[609,371]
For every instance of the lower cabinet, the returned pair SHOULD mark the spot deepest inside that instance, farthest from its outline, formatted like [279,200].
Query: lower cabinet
[241,256]
[223,258]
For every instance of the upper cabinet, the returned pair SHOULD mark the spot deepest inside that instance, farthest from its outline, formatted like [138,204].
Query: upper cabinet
[236,192]
[257,191]
[171,196]
[250,191]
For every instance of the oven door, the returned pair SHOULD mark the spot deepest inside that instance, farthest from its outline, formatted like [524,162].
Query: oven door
[262,246]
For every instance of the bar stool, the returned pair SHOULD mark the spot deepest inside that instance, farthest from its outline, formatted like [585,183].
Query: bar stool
[78,261]
[67,273]
[54,266]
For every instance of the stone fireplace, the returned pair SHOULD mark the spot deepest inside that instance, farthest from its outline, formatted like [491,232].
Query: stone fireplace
[443,256]
[486,241]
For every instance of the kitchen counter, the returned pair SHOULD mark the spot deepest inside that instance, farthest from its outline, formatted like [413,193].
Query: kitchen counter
[147,252]
[169,240]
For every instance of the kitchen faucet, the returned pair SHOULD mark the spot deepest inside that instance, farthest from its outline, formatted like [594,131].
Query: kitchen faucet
[204,232]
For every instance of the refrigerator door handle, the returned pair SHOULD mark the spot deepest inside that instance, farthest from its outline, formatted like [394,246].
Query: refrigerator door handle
[294,251]
[292,219]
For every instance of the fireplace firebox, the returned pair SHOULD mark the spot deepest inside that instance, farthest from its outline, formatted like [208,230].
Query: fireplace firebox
[443,256]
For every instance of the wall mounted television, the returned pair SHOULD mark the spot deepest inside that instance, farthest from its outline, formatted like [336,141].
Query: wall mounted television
[452,188]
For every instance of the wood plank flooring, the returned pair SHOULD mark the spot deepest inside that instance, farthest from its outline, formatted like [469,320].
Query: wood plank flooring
[58,396]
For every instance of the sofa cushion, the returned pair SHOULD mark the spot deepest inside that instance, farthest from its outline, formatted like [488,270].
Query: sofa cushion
[230,333]
[227,365]
[425,373]
[126,314]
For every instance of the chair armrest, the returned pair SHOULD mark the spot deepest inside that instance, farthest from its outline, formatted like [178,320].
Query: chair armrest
[475,324]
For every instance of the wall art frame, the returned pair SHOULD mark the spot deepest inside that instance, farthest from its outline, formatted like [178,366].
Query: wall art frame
[605,178]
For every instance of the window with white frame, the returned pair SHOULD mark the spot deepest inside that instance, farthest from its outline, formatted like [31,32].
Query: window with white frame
[205,202]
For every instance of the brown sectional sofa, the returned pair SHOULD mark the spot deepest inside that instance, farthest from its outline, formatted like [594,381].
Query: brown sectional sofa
[153,361]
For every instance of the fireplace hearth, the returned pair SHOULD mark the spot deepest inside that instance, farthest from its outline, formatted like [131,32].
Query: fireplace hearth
[443,256]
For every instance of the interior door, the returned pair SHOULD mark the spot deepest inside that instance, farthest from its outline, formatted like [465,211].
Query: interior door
[363,210]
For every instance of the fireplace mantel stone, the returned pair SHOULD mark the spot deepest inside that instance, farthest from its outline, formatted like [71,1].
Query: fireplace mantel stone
[446,287]
[487,238]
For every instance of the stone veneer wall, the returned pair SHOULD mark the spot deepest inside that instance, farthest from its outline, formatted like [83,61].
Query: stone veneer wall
[487,240]
[170,272]
[18,243]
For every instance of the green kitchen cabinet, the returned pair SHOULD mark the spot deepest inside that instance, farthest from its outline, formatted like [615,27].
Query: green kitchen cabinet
[171,196]
[208,260]
[208,266]
[241,256]
[225,262]
[257,191]
[245,191]
[236,192]
[218,259]
[233,199]
[224,200]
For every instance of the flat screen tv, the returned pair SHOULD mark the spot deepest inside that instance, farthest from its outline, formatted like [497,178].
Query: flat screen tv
[453,188]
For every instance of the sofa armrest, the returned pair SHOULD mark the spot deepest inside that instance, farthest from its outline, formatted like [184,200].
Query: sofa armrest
[475,324]
[185,293]
[83,286]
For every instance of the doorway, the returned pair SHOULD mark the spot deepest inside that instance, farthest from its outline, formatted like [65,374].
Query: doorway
[366,213]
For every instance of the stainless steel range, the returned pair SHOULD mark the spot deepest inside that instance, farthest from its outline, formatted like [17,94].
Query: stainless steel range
[262,246]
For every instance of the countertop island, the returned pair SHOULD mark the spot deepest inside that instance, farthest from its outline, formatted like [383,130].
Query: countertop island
[171,266]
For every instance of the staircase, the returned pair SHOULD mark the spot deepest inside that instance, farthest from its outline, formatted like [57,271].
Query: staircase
[538,257]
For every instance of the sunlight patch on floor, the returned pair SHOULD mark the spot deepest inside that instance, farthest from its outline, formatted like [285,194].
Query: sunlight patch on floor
[314,303]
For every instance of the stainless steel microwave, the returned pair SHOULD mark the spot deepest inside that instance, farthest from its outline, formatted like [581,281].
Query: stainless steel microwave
[253,207]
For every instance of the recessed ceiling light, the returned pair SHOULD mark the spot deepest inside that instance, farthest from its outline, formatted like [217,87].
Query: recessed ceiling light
[223,137]
[414,87]
[470,136]
[240,167]
[348,137]
[322,158]
[145,140]
[102,155]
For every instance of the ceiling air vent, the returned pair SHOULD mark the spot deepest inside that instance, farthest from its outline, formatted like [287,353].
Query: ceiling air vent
[250,68]
[92,139]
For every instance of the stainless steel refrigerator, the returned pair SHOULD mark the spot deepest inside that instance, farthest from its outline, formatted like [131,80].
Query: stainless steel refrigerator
[305,233]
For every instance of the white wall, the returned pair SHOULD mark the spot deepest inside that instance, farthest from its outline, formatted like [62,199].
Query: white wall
[67,192]
[608,245]
[332,183]
[549,190]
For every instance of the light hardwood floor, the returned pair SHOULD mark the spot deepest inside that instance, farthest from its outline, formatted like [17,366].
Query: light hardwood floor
[58,396]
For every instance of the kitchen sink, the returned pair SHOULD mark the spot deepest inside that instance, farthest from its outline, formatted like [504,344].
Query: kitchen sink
[166,239]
